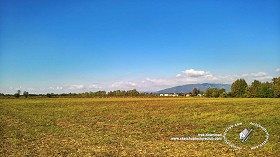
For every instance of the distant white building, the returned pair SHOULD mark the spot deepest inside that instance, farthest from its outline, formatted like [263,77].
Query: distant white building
[173,95]
[188,95]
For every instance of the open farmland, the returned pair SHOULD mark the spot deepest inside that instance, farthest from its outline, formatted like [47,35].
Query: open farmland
[131,126]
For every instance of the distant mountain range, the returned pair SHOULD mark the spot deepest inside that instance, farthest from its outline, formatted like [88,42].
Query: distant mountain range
[189,87]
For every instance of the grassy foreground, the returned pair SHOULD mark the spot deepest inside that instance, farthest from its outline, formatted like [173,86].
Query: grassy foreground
[132,126]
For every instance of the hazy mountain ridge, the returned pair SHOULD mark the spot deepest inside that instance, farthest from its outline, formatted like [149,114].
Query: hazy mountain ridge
[189,88]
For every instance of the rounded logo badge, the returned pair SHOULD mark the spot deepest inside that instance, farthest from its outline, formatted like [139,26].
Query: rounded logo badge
[246,136]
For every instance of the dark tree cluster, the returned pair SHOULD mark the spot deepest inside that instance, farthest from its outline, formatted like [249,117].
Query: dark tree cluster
[257,89]
[195,92]
[240,89]
[263,89]
[215,92]
[116,93]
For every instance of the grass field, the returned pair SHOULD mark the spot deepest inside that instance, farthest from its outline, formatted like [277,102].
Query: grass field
[132,126]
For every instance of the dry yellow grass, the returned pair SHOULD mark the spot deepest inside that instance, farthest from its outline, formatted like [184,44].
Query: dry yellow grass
[130,126]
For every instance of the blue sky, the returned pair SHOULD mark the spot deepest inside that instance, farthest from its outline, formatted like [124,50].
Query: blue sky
[76,46]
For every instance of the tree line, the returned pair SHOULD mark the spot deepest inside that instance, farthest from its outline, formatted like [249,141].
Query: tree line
[240,89]
[116,93]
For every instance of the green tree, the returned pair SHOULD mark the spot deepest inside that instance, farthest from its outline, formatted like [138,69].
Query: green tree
[266,90]
[223,94]
[194,92]
[222,90]
[208,92]
[100,93]
[215,92]
[276,87]
[111,93]
[238,88]
[132,92]
[25,94]
[48,95]
[253,91]
[229,94]
[2,95]
[17,94]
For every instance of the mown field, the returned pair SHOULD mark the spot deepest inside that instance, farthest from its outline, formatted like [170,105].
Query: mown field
[132,126]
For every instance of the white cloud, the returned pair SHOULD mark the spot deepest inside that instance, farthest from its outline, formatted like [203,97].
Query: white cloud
[82,86]
[199,76]
[178,75]
[153,84]
[94,86]
[56,88]
[158,81]
[149,84]
[277,70]
[258,74]
[261,76]
[19,88]
[188,76]
[73,87]
[59,87]
[197,73]
[124,84]
[30,89]
[194,76]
